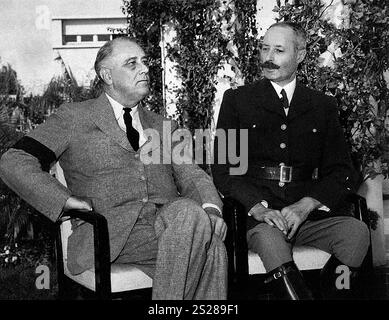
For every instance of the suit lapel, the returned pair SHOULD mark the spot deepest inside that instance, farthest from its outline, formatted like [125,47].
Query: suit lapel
[149,120]
[267,97]
[301,102]
[103,116]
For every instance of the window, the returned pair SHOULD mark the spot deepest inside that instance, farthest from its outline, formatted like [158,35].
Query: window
[118,35]
[70,38]
[86,37]
[89,32]
[103,37]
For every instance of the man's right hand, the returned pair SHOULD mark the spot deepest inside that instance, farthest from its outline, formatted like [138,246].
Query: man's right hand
[75,203]
[272,217]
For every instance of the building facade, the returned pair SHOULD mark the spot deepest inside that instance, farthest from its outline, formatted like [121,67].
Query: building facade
[41,37]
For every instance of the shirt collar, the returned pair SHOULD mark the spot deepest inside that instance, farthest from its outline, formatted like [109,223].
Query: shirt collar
[289,89]
[118,108]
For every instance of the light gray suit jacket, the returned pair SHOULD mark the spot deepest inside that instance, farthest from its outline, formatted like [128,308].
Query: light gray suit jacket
[100,164]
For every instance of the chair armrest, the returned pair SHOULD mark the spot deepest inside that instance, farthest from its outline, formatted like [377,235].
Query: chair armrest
[101,247]
[360,207]
[361,213]
[236,241]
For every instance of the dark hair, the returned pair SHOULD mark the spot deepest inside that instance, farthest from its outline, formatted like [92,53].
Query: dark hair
[106,50]
[301,37]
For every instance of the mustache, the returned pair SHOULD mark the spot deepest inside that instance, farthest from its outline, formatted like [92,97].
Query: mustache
[269,65]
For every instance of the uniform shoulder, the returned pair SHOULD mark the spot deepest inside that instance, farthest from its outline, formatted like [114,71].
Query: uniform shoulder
[320,96]
[244,89]
[316,93]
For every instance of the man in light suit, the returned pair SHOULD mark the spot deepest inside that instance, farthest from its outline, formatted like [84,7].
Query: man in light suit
[165,218]
[299,169]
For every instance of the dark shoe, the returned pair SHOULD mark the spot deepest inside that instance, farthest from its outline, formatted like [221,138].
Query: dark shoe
[340,282]
[288,283]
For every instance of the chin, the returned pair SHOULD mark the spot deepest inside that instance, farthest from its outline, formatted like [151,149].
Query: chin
[269,77]
[143,93]
[271,74]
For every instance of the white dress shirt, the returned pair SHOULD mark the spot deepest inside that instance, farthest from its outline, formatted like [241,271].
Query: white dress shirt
[118,109]
[289,89]
[119,112]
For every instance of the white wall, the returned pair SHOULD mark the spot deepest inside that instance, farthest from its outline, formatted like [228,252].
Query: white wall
[26,34]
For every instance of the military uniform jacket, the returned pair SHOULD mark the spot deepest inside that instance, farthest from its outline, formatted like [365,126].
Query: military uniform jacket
[310,136]
[100,164]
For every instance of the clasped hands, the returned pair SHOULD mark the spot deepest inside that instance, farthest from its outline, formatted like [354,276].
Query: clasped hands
[289,218]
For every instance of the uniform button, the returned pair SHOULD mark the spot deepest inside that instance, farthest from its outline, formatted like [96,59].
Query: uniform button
[282,145]
[143,178]
[281,184]
[144,200]
[136,156]
[282,164]
[283,127]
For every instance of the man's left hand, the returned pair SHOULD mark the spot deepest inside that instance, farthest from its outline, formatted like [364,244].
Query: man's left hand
[297,213]
[219,227]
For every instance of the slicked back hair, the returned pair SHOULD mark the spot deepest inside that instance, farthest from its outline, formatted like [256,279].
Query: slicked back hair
[106,50]
[300,34]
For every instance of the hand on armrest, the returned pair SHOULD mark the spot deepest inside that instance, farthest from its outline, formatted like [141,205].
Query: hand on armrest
[76,203]
[218,225]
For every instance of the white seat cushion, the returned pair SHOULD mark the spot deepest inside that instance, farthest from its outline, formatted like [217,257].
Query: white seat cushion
[305,257]
[124,277]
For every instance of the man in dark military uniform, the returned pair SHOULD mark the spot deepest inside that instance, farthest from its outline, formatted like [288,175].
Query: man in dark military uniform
[299,168]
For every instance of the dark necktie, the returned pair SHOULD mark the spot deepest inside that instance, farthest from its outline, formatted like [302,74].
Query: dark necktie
[284,99]
[132,133]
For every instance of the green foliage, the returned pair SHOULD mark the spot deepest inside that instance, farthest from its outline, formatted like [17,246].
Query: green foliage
[144,24]
[13,215]
[9,256]
[9,83]
[19,116]
[198,50]
[373,218]
[246,40]
[356,75]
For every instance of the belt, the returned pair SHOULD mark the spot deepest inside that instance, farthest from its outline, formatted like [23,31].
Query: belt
[288,174]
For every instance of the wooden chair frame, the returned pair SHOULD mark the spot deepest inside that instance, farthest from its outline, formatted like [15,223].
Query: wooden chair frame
[236,243]
[102,260]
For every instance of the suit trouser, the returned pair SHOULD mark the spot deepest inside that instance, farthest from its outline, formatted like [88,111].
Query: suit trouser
[174,245]
[345,237]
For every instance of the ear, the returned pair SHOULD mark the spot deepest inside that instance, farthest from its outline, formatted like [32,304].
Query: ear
[301,55]
[105,74]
